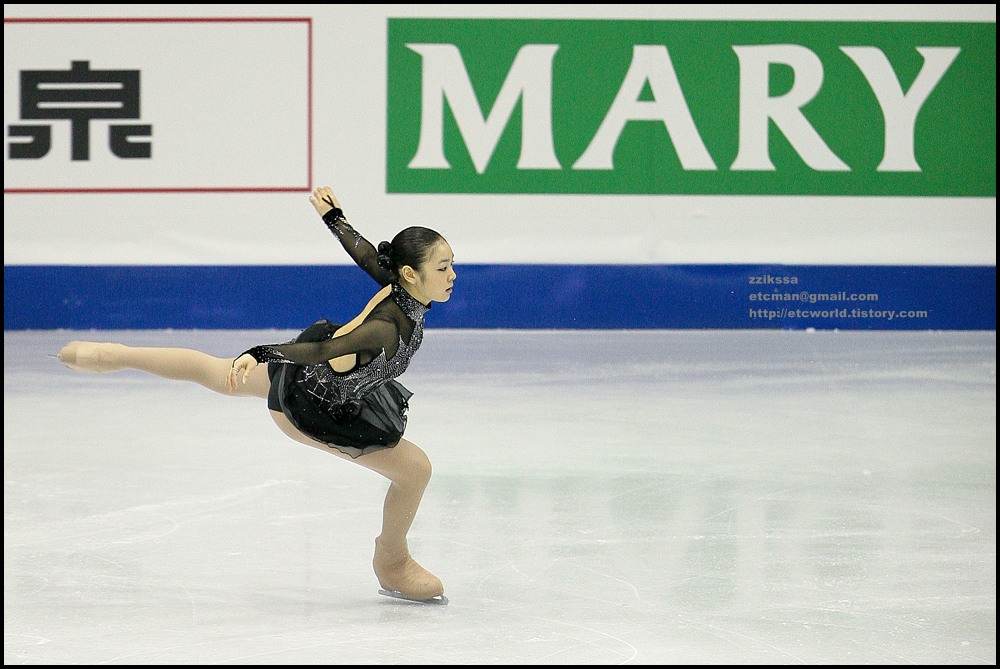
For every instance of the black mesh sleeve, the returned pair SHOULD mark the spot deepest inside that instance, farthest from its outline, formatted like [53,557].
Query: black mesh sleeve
[367,341]
[359,248]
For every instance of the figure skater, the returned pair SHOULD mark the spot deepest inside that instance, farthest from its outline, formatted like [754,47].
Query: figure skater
[333,387]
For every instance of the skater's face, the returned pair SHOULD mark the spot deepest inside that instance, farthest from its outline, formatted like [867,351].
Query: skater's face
[435,278]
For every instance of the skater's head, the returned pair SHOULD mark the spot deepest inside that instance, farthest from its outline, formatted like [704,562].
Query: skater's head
[422,261]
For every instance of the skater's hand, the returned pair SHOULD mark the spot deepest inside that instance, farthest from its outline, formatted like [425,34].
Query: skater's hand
[240,372]
[323,200]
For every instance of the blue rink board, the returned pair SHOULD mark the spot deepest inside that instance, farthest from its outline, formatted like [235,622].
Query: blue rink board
[535,296]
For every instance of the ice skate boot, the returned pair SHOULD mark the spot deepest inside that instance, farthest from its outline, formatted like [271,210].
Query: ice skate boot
[85,356]
[401,577]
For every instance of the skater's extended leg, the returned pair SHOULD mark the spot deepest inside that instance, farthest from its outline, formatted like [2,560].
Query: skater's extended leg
[408,470]
[181,364]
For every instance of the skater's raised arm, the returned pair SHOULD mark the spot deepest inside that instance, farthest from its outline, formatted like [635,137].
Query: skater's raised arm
[360,249]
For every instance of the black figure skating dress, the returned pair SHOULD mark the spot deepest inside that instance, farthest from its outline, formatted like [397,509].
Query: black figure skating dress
[364,409]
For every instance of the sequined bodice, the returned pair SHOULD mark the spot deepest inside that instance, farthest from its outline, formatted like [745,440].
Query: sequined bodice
[339,388]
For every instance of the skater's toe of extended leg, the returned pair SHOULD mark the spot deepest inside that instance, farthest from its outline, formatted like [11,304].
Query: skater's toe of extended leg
[67,355]
[87,356]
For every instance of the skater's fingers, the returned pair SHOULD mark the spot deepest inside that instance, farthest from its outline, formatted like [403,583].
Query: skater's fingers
[321,203]
[325,194]
[246,368]
[232,377]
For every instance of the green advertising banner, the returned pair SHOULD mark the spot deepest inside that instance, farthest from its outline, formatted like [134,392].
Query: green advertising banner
[691,107]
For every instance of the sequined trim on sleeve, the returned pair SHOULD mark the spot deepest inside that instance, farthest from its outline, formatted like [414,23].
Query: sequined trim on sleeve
[267,353]
[337,223]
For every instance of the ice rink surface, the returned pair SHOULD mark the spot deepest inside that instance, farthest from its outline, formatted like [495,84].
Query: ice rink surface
[599,497]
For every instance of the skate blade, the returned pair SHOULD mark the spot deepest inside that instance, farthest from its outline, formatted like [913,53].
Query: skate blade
[440,600]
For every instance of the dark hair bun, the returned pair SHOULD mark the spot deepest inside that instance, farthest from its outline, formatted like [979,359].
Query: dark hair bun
[383,258]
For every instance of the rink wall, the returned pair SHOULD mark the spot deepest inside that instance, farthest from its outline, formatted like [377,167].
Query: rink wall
[510,296]
[643,166]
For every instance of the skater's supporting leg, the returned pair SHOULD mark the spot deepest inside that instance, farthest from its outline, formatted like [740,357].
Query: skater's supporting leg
[181,364]
[408,470]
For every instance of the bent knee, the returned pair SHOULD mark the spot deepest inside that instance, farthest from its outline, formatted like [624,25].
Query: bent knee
[414,467]
[417,470]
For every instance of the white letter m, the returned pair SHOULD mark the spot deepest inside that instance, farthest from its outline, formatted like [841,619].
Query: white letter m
[445,77]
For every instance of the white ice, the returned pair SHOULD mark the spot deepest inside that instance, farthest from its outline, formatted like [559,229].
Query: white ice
[598,497]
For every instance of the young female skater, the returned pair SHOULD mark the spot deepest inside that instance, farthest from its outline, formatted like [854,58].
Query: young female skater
[334,386]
